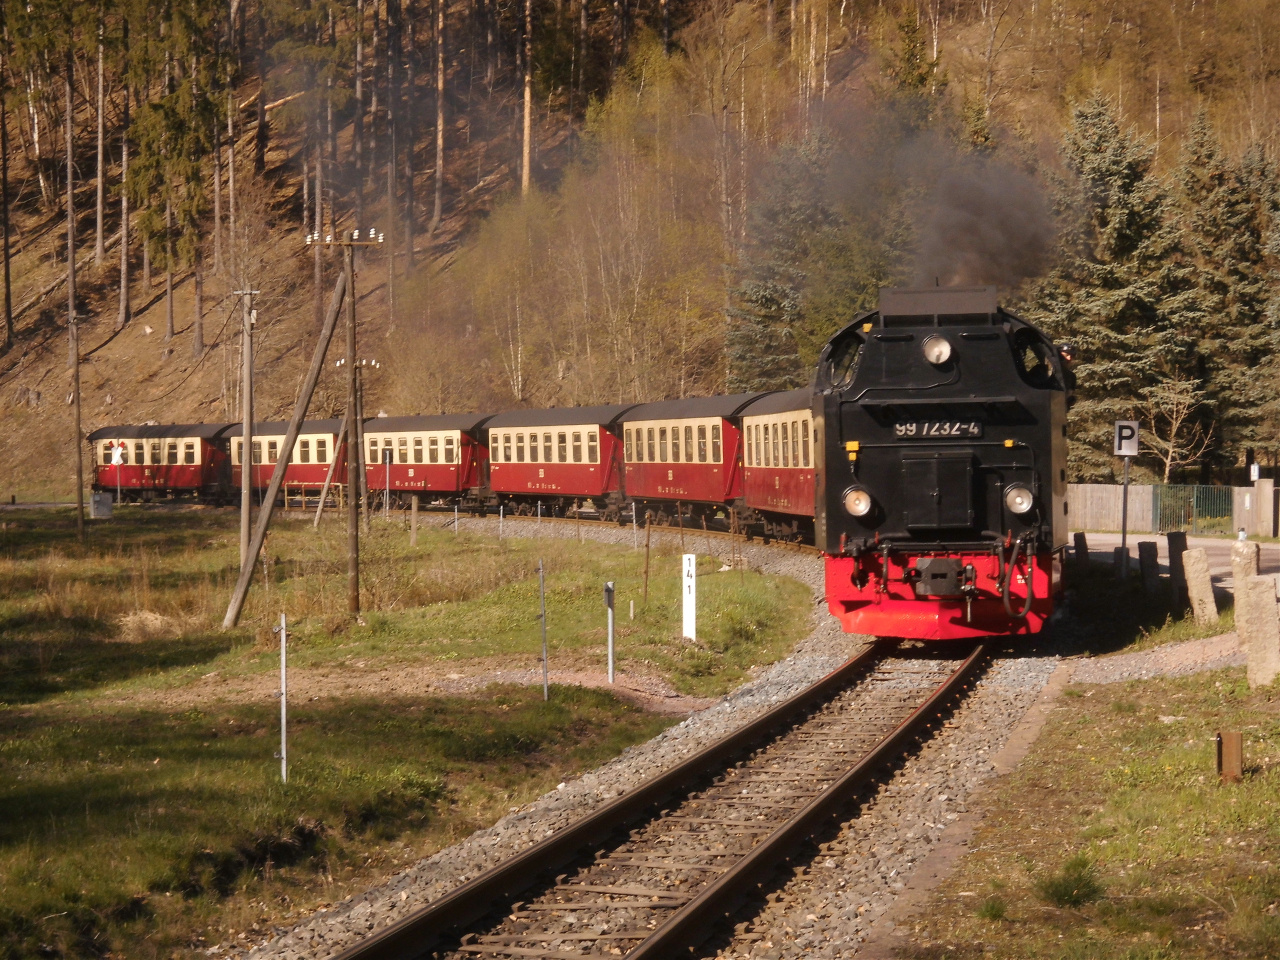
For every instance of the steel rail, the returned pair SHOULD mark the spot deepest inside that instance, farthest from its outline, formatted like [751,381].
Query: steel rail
[415,934]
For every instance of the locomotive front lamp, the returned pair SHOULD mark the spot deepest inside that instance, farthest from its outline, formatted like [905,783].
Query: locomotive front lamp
[857,502]
[1018,499]
[937,350]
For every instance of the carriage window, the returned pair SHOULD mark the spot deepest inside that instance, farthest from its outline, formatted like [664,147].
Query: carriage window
[273,451]
[506,448]
[106,454]
[593,448]
[520,448]
[750,446]
[715,443]
[533,448]
[402,450]
[630,451]
[768,458]
[759,457]
[577,446]
[804,426]
[795,444]
[322,451]
[138,456]
[239,451]
[417,449]
[171,454]
[702,443]
[653,448]
[304,451]
[546,447]
[373,450]
[189,453]
[448,450]
[776,451]
[562,447]
[688,444]
[786,448]
[155,454]
[662,444]
[675,444]
[255,451]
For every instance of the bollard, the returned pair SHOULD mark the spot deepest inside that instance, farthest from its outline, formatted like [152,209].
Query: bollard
[283,694]
[1230,756]
[1258,626]
[413,522]
[1081,548]
[1177,543]
[1149,564]
[1244,560]
[608,601]
[1200,587]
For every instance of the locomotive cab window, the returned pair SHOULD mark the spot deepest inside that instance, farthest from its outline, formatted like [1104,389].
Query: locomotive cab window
[843,363]
[1033,358]
[577,446]
[593,447]
[322,451]
[629,450]
[304,451]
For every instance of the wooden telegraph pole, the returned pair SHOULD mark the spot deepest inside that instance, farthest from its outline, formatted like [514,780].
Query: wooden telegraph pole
[246,408]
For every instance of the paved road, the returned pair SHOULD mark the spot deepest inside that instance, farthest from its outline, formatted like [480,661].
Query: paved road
[1102,545]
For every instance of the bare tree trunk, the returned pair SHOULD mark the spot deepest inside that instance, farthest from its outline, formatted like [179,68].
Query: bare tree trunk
[123,316]
[4,201]
[393,106]
[72,345]
[357,118]
[146,267]
[315,247]
[261,134]
[528,98]
[439,176]
[231,184]
[410,138]
[168,266]
[770,15]
[197,340]
[99,245]
[306,198]
[794,15]
[665,8]
[217,199]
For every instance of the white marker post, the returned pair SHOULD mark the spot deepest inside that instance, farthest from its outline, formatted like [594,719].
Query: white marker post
[690,596]
[608,602]
[284,710]
[1126,445]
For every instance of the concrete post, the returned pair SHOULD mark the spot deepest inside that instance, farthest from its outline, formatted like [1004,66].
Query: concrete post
[1149,564]
[1244,560]
[1200,587]
[1264,508]
[1177,541]
[1081,548]
[1120,561]
[1258,625]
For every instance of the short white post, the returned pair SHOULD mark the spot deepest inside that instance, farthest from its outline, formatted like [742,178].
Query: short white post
[633,609]
[690,596]
[500,511]
[284,708]
[608,600]
[455,519]
[542,599]
[539,511]
[635,535]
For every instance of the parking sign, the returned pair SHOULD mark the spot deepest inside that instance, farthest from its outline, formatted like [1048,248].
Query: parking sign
[1126,438]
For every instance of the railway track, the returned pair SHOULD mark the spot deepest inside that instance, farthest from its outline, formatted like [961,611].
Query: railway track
[657,870]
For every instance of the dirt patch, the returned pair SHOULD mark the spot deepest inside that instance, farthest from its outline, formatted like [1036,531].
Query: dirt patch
[1169,660]
[144,625]
[399,680]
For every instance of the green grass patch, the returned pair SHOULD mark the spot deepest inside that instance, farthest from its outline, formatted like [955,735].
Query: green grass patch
[1114,838]
[142,832]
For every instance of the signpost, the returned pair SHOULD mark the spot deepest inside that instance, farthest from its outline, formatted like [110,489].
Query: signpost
[1126,445]
[690,592]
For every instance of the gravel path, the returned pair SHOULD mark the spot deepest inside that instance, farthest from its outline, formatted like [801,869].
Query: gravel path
[1169,660]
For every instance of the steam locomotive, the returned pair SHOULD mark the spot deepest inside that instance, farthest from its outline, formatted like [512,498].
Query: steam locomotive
[941,473]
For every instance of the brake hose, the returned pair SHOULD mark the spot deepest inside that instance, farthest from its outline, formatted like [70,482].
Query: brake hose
[1007,582]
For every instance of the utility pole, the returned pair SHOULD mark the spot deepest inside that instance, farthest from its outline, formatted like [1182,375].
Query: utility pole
[355,436]
[246,408]
[73,329]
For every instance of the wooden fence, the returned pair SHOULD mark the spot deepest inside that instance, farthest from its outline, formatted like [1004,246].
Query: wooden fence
[1096,506]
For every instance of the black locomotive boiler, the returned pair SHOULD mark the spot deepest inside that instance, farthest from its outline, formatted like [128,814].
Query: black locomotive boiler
[941,504]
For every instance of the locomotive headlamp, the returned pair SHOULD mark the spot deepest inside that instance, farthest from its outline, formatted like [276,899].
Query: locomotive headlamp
[857,502]
[1018,499]
[937,350]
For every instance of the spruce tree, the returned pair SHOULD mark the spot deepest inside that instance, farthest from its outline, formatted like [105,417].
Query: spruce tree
[760,344]
[1220,216]
[1123,291]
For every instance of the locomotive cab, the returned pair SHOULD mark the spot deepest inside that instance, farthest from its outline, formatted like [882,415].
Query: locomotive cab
[941,505]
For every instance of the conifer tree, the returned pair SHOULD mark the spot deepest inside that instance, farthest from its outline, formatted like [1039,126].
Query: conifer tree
[760,345]
[1123,290]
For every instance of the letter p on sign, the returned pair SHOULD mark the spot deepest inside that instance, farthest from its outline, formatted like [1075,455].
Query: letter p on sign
[1126,439]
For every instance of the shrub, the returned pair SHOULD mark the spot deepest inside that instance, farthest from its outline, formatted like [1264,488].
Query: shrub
[993,908]
[1074,885]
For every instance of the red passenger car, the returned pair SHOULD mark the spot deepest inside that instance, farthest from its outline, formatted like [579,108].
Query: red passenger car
[162,460]
[684,456]
[439,456]
[779,447]
[313,453]
[566,459]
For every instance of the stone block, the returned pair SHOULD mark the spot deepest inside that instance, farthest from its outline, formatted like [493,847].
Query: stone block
[1244,560]
[1258,626]
[1081,547]
[1149,564]
[1200,587]
[1177,541]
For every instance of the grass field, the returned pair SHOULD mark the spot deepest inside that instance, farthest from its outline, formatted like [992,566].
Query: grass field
[143,813]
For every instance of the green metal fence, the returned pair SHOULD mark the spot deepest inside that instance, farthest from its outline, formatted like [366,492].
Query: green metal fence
[1193,508]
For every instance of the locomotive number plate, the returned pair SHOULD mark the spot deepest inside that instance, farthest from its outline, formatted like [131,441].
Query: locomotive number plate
[937,430]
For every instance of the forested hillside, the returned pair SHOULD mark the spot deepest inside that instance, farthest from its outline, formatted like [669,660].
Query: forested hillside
[587,201]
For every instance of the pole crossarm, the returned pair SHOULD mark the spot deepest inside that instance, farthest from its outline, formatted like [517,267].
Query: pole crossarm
[286,454]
